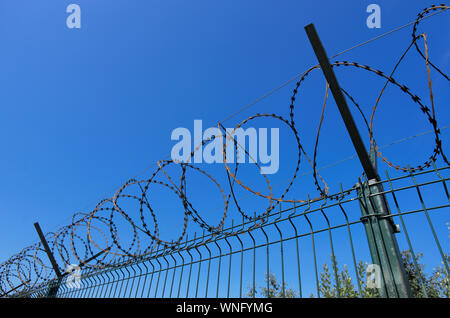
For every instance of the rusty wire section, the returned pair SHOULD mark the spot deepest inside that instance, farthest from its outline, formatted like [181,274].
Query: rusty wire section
[80,241]
[293,242]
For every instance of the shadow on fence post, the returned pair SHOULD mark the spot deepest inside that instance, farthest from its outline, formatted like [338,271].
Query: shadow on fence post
[380,231]
[376,217]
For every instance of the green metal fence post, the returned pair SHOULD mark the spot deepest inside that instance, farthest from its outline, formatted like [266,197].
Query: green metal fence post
[375,211]
[383,246]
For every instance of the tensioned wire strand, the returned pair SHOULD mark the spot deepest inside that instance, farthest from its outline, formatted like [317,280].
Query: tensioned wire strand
[355,156]
[143,171]
[299,75]
[336,55]
[382,147]
[138,247]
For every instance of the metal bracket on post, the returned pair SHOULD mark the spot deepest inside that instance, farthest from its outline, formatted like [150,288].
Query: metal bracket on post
[94,257]
[374,208]
[89,259]
[380,231]
[54,286]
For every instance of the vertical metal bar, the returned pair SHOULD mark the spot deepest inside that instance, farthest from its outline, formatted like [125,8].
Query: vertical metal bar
[63,291]
[313,247]
[267,259]
[283,284]
[122,279]
[298,252]
[385,241]
[242,260]
[229,264]
[341,102]
[159,272]
[190,266]
[130,278]
[199,262]
[182,269]
[100,286]
[414,258]
[91,286]
[254,264]
[127,279]
[115,283]
[151,278]
[425,210]
[333,256]
[139,280]
[218,270]
[167,273]
[209,268]
[173,275]
[351,241]
[108,283]
[145,279]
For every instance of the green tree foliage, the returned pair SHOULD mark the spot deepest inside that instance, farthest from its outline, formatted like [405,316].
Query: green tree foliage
[436,284]
[345,288]
[335,282]
[272,289]
[422,285]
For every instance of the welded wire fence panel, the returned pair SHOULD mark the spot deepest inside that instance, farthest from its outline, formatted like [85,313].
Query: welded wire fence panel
[292,245]
[321,245]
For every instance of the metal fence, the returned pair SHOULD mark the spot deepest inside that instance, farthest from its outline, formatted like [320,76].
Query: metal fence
[292,243]
[316,248]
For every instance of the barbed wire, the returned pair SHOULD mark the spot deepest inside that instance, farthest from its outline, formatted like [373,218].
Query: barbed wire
[97,231]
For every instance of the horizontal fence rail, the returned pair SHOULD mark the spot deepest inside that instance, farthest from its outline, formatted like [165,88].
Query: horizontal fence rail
[383,237]
[291,244]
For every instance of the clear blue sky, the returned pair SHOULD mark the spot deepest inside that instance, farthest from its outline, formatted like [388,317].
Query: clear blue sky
[84,110]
